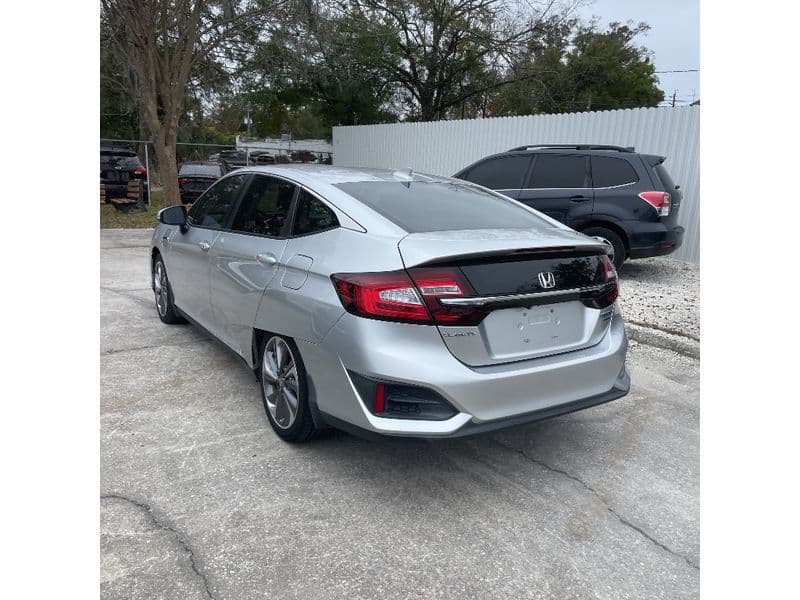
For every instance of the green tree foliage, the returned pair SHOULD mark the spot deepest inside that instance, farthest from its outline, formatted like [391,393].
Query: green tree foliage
[571,67]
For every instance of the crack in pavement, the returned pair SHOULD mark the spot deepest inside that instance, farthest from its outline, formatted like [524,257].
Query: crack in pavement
[165,526]
[586,486]
[186,343]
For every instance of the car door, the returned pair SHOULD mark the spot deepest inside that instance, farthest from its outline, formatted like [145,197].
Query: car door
[559,186]
[245,258]
[504,174]
[188,255]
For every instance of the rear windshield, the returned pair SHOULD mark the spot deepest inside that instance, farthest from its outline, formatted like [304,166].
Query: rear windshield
[126,153]
[419,206]
[201,170]
[663,174]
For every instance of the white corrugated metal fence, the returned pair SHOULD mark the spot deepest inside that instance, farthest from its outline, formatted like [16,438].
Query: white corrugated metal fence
[445,147]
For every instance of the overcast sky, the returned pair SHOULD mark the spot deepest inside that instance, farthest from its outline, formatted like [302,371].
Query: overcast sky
[674,37]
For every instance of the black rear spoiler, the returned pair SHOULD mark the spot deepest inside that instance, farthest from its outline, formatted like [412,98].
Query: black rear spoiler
[654,159]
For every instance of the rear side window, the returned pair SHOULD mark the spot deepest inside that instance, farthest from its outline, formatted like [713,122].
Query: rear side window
[559,171]
[312,216]
[504,173]
[264,209]
[212,208]
[610,172]
[438,206]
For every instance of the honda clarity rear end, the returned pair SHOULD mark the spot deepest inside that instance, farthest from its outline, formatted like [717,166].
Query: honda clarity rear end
[393,303]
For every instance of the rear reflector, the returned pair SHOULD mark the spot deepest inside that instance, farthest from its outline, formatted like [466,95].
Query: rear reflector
[401,401]
[658,200]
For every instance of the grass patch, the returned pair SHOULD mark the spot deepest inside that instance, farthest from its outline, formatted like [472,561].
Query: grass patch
[111,218]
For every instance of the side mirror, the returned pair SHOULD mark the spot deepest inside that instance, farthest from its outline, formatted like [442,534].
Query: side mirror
[173,215]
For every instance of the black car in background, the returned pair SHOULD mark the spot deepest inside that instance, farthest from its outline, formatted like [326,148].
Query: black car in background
[624,197]
[194,178]
[117,167]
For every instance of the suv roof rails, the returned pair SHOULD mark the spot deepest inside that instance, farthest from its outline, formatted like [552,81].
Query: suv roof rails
[575,147]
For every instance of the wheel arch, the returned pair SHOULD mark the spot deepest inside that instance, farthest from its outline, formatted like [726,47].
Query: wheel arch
[613,227]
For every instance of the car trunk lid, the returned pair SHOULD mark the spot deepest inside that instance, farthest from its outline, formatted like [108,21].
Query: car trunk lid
[536,290]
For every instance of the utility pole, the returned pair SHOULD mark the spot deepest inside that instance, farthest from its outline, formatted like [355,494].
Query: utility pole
[674,95]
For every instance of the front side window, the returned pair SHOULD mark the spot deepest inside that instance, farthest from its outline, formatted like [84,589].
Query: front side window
[212,208]
[264,209]
[559,171]
[610,172]
[312,216]
[504,173]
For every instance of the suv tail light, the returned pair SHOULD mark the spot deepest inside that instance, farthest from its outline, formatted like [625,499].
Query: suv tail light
[411,297]
[140,171]
[183,181]
[658,200]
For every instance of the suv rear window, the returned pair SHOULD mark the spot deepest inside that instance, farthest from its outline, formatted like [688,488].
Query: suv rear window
[201,170]
[559,171]
[610,172]
[420,206]
[503,173]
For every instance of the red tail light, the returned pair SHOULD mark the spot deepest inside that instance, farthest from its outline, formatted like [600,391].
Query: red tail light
[140,171]
[394,296]
[610,274]
[658,200]
[183,181]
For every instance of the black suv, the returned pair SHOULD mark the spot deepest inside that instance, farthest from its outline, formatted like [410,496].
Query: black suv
[611,192]
[118,166]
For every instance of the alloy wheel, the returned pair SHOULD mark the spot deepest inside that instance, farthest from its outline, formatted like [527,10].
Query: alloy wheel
[279,380]
[160,288]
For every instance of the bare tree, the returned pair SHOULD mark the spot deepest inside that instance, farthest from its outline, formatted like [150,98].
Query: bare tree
[451,51]
[164,42]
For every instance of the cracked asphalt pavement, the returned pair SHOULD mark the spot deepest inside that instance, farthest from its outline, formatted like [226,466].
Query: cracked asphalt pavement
[199,499]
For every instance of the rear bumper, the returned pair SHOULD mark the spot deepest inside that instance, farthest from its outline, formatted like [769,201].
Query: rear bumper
[657,240]
[487,398]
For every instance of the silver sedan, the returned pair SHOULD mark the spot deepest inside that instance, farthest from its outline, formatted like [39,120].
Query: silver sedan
[389,302]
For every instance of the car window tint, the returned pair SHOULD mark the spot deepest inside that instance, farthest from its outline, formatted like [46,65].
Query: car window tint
[420,206]
[312,215]
[608,172]
[559,171]
[504,173]
[212,208]
[264,207]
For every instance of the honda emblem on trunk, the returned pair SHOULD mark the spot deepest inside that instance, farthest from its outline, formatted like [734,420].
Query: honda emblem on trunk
[547,280]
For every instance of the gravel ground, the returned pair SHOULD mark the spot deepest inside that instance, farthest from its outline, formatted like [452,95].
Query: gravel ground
[662,294]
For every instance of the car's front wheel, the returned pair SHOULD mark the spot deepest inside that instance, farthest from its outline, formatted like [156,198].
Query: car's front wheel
[284,389]
[165,306]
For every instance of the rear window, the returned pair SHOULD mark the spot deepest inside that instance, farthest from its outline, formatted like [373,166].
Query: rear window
[559,171]
[201,170]
[610,172]
[420,206]
[665,178]
[125,153]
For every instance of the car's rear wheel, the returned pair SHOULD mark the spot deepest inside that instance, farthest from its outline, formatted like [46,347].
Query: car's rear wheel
[165,305]
[613,239]
[284,389]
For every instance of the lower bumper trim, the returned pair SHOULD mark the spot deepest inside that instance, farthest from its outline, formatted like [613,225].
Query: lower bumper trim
[620,389]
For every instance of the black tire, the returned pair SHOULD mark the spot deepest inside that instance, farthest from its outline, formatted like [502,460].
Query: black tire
[616,242]
[165,305]
[299,428]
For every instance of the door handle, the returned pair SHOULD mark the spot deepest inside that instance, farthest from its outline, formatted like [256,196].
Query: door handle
[267,258]
[578,198]
[204,246]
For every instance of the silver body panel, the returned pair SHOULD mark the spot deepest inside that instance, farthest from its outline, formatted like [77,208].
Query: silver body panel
[487,373]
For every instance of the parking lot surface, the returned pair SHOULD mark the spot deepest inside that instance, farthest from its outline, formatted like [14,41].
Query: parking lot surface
[199,499]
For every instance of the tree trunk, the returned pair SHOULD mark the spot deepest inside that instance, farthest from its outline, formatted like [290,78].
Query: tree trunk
[165,147]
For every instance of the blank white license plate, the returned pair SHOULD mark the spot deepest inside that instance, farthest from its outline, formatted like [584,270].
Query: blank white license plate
[536,330]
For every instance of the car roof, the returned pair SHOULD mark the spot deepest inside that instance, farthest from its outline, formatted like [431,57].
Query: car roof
[316,174]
